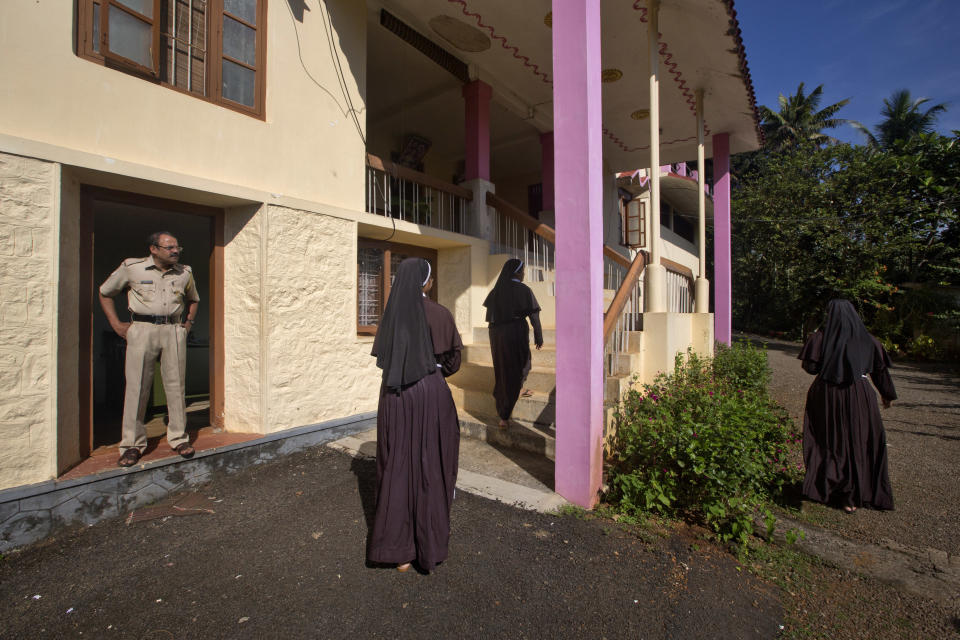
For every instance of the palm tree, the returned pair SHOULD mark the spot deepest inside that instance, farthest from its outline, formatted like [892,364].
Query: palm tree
[800,120]
[902,120]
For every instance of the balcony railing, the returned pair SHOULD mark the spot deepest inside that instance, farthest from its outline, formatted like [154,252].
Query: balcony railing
[679,287]
[404,194]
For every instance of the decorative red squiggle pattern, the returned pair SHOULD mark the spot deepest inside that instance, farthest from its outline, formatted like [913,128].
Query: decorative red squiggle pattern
[668,62]
[641,9]
[617,141]
[535,68]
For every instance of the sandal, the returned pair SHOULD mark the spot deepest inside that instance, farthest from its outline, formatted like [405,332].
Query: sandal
[402,568]
[129,457]
[849,508]
[526,393]
[185,450]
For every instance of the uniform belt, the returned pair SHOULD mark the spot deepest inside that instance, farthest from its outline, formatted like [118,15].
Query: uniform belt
[171,319]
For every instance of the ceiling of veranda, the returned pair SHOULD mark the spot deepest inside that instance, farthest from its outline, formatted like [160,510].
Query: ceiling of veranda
[700,49]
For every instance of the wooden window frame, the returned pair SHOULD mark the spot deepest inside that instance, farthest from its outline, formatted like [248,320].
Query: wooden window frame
[123,61]
[213,61]
[634,223]
[388,249]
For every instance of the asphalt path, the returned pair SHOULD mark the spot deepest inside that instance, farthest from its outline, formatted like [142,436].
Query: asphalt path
[282,555]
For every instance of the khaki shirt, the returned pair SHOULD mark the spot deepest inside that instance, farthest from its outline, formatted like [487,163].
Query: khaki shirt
[152,292]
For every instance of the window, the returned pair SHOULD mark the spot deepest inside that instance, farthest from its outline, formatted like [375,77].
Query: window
[634,214]
[212,49]
[377,263]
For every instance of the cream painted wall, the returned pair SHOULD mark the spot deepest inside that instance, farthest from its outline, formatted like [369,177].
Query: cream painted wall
[29,198]
[306,148]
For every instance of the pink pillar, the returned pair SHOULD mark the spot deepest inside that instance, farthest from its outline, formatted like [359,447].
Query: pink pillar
[578,174]
[722,285]
[546,169]
[476,95]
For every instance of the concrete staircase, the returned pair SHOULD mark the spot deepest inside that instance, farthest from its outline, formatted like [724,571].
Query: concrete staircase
[533,423]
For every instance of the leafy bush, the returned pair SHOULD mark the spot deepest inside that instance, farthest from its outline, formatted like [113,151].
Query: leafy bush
[705,442]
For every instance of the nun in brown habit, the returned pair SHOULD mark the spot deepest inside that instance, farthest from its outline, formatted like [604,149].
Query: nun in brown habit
[509,304]
[418,433]
[844,444]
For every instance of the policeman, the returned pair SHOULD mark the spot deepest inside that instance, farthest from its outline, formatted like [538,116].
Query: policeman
[160,289]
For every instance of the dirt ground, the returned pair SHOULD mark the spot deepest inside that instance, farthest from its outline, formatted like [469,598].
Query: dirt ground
[923,439]
[923,436]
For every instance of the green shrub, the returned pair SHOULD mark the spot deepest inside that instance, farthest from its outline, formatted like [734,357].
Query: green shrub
[705,442]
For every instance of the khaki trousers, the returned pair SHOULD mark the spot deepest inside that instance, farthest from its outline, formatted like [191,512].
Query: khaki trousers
[145,343]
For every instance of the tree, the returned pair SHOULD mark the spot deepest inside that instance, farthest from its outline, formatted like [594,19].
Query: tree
[879,227]
[800,120]
[902,120]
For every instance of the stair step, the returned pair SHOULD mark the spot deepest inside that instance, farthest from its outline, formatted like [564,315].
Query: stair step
[522,435]
[481,335]
[536,409]
[480,377]
[480,353]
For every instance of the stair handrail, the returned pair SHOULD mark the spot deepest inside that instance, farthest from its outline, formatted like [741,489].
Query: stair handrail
[545,231]
[623,293]
[525,220]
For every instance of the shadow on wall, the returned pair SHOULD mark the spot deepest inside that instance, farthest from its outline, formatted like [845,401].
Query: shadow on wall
[297,7]
[340,25]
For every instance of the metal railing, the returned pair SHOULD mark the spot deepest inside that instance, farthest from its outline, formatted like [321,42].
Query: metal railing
[519,235]
[679,291]
[404,194]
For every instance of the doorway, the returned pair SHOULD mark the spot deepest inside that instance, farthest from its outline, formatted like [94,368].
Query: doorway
[115,226]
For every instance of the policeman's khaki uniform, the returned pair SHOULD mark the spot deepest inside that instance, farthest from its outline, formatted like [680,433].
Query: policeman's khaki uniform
[156,300]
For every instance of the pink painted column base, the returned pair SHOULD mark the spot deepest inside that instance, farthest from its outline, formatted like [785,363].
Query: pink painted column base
[722,281]
[476,96]
[578,174]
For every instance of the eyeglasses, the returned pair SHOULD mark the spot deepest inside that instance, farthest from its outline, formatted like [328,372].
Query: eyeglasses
[172,247]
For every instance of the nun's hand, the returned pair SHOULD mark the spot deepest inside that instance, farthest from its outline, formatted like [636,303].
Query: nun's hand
[539,346]
[887,403]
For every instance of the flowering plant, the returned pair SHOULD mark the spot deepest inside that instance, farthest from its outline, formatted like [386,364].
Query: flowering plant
[705,442]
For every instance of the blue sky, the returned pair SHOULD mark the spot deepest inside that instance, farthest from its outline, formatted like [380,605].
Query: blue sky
[858,49]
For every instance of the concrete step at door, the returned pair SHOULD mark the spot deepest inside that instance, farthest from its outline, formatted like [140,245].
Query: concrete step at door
[480,377]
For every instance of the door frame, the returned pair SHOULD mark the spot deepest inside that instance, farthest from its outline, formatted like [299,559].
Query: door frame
[89,195]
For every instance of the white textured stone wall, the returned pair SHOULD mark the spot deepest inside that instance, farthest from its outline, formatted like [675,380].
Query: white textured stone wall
[317,367]
[27,223]
[242,318]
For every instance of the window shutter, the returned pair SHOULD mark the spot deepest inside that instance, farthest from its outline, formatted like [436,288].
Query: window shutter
[130,34]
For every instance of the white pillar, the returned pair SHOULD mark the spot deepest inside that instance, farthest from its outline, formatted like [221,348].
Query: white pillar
[702,290]
[656,275]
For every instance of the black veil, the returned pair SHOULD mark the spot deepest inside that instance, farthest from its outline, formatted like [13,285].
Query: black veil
[403,345]
[509,300]
[848,348]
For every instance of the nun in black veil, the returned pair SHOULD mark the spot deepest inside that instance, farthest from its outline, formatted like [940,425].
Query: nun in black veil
[418,433]
[844,443]
[509,304]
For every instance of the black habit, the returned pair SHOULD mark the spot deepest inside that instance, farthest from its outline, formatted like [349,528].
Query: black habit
[844,443]
[418,433]
[509,304]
